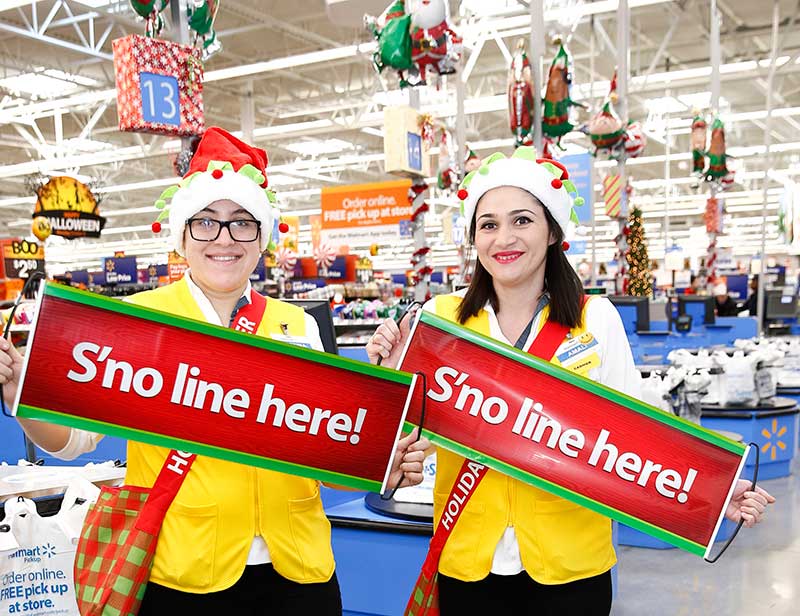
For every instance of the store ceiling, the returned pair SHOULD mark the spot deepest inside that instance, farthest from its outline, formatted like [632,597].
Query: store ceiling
[319,116]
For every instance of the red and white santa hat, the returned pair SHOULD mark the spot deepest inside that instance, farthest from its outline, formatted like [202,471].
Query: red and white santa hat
[223,167]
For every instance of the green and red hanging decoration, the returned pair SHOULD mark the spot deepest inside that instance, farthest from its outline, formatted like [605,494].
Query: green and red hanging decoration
[606,129]
[151,11]
[520,96]
[557,102]
[699,137]
[202,14]
[415,39]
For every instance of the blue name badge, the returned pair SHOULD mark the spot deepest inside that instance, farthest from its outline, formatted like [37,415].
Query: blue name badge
[160,99]
[575,348]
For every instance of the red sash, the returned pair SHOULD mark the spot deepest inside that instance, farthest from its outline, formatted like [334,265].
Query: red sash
[469,477]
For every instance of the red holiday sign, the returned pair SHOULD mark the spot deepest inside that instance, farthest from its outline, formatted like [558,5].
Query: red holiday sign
[571,436]
[116,368]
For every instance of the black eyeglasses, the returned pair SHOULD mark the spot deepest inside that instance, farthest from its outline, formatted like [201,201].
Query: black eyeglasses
[208,229]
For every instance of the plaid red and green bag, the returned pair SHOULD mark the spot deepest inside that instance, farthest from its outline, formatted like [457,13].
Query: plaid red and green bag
[424,600]
[118,542]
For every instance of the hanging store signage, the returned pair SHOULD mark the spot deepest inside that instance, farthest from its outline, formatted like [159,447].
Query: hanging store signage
[21,258]
[364,213]
[579,167]
[117,368]
[120,270]
[547,426]
[70,207]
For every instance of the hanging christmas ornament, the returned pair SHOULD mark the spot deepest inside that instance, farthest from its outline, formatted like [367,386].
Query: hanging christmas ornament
[151,11]
[392,31]
[446,177]
[520,96]
[713,216]
[471,161]
[698,142]
[41,228]
[728,180]
[557,101]
[286,258]
[433,43]
[202,14]
[635,140]
[605,128]
[717,168]
[324,254]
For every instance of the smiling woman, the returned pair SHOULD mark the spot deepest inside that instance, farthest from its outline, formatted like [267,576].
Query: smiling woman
[516,544]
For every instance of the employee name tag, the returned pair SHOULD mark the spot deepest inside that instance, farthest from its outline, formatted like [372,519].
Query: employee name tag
[300,341]
[578,347]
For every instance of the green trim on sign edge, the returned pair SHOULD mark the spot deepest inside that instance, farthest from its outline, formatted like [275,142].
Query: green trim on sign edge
[583,383]
[566,493]
[32,412]
[86,298]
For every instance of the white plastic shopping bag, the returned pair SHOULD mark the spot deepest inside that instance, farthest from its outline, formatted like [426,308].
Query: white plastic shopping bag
[37,554]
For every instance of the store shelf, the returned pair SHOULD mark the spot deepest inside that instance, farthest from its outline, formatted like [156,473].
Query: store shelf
[356,323]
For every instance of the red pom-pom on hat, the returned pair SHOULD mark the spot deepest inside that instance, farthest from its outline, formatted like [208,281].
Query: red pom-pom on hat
[565,245]
[283,228]
[216,174]
[156,227]
[556,183]
[462,194]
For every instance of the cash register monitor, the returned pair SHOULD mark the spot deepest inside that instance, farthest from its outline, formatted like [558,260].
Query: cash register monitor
[320,309]
[699,307]
[634,312]
[780,305]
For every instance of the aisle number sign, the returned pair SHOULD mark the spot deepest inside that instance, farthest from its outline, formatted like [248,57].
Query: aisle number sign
[550,427]
[160,100]
[21,258]
[117,368]
[364,213]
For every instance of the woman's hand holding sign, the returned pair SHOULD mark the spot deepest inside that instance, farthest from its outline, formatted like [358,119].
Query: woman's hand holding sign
[10,369]
[388,342]
[408,459]
[748,505]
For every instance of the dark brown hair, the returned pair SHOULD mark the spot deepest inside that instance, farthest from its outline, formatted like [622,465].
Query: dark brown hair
[560,281]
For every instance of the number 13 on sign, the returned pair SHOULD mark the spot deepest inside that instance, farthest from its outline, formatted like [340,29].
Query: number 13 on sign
[160,99]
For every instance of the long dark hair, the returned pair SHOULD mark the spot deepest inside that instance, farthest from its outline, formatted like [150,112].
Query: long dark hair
[560,281]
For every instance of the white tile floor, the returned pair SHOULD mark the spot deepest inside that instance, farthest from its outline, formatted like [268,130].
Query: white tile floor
[759,574]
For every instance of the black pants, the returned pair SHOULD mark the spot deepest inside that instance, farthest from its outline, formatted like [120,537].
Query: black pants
[259,592]
[519,594]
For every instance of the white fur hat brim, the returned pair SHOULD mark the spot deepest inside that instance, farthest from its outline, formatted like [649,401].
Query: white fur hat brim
[524,174]
[204,190]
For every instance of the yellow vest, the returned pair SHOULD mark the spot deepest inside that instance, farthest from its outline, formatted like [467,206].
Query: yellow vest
[559,541]
[222,506]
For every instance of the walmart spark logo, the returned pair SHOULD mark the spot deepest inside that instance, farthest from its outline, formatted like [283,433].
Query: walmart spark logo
[773,440]
[49,550]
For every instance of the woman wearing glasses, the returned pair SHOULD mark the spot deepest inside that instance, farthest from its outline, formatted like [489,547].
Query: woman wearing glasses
[236,540]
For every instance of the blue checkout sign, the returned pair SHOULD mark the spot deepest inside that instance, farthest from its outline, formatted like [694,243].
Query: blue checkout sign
[160,99]
[414,151]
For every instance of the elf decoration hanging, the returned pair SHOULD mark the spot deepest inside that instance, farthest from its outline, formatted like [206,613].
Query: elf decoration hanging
[698,142]
[717,171]
[202,14]
[446,177]
[717,168]
[520,96]
[606,129]
[557,102]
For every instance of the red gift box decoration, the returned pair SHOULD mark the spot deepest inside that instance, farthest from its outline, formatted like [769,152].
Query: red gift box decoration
[159,86]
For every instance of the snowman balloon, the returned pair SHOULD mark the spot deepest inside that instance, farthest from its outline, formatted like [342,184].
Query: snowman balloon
[433,42]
